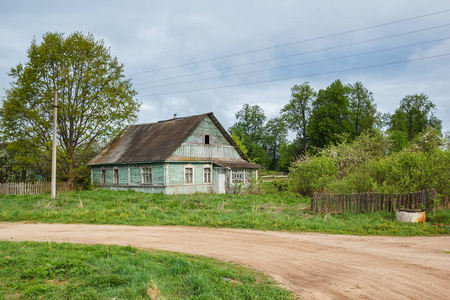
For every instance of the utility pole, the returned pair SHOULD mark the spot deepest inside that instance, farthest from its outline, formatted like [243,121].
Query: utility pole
[55,114]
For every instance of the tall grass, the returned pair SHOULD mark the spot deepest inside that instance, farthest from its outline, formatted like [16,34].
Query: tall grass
[30,270]
[278,211]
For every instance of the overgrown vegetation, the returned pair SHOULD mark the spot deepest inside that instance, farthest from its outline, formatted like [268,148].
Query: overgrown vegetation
[276,211]
[369,164]
[31,270]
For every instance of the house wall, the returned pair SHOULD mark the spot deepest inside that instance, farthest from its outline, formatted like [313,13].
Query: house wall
[218,147]
[129,175]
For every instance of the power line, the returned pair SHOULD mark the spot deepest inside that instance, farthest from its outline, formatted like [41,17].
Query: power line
[293,43]
[301,76]
[297,54]
[296,65]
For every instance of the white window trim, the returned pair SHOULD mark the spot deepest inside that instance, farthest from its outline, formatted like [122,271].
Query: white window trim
[151,175]
[102,176]
[193,174]
[114,176]
[210,174]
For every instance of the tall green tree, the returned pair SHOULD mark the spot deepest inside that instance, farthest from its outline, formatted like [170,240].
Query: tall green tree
[95,99]
[296,113]
[275,135]
[362,108]
[249,128]
[331,117]
[416,113]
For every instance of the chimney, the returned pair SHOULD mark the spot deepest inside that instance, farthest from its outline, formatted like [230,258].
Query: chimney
[174,116]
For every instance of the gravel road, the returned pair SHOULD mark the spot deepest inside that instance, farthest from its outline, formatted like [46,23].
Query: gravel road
[314,266]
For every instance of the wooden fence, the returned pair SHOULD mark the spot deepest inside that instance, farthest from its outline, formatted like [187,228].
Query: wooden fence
[371,202]
[23,188]
[270,178]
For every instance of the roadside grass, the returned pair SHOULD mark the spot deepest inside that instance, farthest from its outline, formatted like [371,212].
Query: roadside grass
[32,270]
[276,211]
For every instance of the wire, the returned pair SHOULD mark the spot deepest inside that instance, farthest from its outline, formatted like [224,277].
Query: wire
[301,76]
[296,65]
[297,54]
[293,43]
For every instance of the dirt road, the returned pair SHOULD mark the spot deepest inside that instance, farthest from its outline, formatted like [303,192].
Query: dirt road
[314,266]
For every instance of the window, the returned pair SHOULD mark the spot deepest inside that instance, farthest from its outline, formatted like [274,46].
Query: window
[116,176]
[207,175]
[242,176]
[207,139]
[146,175]
[102,176]
[188,175]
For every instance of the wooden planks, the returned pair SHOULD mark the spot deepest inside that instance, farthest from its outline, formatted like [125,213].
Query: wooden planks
[372,202]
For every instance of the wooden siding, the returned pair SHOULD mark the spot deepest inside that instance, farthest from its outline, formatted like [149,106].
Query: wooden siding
[201,150]
[176,173]
[207,127]
[218,147]
[128,175]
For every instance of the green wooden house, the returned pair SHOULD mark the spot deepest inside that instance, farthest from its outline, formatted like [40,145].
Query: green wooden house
[176,156]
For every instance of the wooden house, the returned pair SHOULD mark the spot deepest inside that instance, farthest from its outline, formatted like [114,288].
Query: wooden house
[176,156]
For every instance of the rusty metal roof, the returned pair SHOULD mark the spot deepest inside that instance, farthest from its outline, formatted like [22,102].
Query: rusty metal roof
[154,141]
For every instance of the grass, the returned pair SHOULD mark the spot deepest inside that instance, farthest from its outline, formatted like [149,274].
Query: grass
[31,270]
[277,211]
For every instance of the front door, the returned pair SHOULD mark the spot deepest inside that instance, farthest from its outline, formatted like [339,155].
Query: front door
[221,182]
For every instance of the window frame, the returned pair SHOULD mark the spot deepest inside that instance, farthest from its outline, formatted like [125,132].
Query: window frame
[149,175]
[207,139]
[116,176]
[102,176]
[209,177]
[186,181]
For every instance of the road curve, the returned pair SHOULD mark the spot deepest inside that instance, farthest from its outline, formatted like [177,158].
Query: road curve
[314,266]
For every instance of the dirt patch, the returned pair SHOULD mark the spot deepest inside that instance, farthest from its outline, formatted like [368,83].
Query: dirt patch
[314,266]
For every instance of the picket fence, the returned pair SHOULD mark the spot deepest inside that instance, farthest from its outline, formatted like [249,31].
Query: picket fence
[372,202]
[26,188]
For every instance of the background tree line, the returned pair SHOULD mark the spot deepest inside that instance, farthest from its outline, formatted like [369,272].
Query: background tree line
[338,114]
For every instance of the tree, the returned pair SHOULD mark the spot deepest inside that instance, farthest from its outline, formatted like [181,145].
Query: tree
[362,108]
[275,135]
[416,113]
[331,117]
[249,128]
[95,100]
[296,113]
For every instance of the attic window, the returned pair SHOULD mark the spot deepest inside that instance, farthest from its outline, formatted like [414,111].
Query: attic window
[207,139]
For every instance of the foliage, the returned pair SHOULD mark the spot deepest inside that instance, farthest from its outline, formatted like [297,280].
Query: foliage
[288,154]
[31,270]
[249,128]
[297,112]
[362,108]
[312,174]
[277,211]
[275,135]
[95,101]
[368,165]
[415,114]
[330,116]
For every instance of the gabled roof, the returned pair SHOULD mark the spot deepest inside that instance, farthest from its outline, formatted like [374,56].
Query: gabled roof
[154,141]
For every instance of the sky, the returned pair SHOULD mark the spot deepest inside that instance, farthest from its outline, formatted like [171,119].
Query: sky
[194,57]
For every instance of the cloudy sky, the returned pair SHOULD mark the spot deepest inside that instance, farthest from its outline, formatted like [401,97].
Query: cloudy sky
[193,57]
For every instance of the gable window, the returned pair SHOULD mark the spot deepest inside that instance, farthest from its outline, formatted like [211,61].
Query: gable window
[188,175]
[116,176]
[207,139]
[102,176]
[207,175]
[146,175]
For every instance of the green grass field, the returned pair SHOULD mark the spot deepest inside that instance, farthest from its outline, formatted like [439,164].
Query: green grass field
[276,211]
[31,270]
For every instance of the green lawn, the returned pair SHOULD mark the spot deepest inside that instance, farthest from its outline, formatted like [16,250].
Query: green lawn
[276,211]
[31,270]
